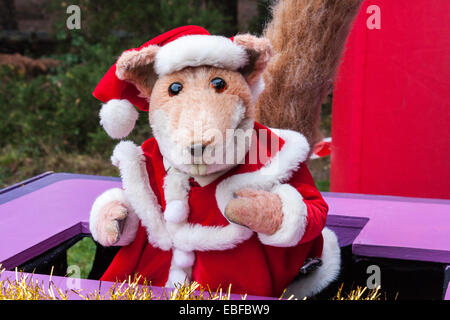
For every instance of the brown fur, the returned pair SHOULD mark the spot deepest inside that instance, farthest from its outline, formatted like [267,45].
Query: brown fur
[308,38]
[137,67]
[199,102]
[259,51]
[259,210]
[197,95]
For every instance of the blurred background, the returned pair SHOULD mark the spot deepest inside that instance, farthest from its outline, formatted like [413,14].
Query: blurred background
[49,116]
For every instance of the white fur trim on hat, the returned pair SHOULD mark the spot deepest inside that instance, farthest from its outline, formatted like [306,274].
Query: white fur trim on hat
[200,50]
[118,118]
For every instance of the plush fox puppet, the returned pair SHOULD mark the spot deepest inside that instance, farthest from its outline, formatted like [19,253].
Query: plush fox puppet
[214,197]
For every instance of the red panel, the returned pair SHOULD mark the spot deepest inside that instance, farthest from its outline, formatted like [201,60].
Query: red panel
[391,108]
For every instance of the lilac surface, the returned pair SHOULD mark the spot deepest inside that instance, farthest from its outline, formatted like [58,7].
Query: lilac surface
[22,188]
[86,287]
[22,183]
[40,220]
[346,228]
[35,220]
[383,197]
[400,228]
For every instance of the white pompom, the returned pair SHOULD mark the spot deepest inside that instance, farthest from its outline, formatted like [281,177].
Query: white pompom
[176,211]
[118,118]
[183,259]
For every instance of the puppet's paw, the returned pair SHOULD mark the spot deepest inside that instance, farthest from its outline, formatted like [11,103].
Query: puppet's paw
[258,210]
[110,222]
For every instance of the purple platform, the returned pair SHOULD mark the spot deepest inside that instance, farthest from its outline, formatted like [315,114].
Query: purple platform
[42,212]
[39,215]
[397,227]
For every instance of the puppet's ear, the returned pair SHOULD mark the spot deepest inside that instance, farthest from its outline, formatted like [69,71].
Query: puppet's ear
[259,52]
[136,67]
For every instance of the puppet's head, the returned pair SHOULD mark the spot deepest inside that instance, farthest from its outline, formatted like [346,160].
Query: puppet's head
[199,90]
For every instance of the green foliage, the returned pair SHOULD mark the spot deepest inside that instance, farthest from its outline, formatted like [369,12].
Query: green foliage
[55,111]
[257,24]
[143,20]
[82,255]
[210,18]
[323,185]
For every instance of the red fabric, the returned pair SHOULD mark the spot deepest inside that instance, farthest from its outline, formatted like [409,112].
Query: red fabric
[251,267]
[322,149]
[391,103]
[110,87]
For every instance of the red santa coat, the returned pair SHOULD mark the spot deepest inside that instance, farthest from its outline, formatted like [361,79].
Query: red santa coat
[215,252]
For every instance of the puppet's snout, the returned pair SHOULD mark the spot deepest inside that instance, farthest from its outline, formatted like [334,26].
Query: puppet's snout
[199,135]
[200,150]
[200,142]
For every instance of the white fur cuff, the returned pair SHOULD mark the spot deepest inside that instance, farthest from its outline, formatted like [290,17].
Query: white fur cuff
[294,218]
[118,118]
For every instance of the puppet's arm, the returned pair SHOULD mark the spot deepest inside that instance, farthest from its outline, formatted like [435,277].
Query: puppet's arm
[112,220]
[285,216]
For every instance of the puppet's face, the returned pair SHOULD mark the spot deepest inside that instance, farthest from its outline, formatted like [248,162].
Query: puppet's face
[202,118]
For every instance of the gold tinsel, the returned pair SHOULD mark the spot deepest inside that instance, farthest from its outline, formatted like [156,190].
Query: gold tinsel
[360,293]
[24,287]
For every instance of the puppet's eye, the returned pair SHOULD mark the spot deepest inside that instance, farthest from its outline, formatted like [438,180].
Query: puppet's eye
[175,88]
[219,84]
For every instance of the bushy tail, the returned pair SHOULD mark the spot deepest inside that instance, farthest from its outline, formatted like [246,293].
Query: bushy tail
[308,37]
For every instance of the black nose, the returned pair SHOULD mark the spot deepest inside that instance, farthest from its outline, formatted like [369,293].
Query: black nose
[197,149]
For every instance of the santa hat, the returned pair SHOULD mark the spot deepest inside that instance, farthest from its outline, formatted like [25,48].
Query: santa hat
[181,47]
